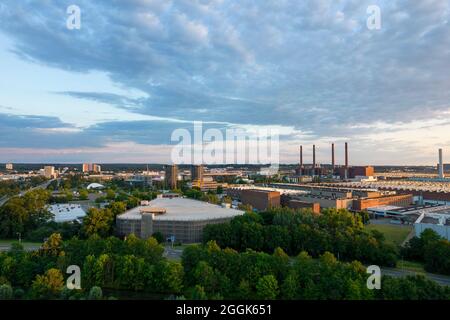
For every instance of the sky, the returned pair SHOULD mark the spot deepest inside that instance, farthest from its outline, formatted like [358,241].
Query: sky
[116,89]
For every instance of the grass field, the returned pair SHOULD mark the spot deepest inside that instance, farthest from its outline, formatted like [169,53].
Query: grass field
[393,233]
[411,266]
[9,242]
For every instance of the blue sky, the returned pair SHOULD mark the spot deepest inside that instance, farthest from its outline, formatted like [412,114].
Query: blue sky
[114,90]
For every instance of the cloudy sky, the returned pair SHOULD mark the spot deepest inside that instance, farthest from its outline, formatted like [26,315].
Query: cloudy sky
[114,90]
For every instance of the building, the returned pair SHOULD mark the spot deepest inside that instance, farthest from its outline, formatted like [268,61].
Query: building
[356,172]
[49,172]
[297,204]
[197,172]
[91,167]
[9,166]
[437,219]
[180,218]
[66,212]
[260,199]
[399,200]
[171,176]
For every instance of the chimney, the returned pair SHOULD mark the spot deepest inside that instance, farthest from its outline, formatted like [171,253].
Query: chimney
[346,160]
[332,156]
[314,155]
[440,166]
[301,157]
[346,155]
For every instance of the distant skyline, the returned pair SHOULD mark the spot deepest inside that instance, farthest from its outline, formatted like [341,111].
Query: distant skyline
[114,90]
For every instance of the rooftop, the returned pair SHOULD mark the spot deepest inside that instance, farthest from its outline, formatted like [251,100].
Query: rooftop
[182,209]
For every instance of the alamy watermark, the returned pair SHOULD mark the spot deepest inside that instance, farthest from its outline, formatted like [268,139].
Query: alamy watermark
[235,146]
[74,280]
[374,280]
[73,21]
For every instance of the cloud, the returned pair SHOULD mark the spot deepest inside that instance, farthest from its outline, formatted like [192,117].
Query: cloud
[310,65]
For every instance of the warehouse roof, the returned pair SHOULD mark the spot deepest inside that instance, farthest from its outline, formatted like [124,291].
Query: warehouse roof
[182,209]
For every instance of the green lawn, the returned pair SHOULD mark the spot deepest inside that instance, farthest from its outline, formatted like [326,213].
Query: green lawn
[393,233]
[411,266]
[9,242]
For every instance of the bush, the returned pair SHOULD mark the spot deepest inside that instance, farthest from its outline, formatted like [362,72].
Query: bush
[6,292]
[95,293]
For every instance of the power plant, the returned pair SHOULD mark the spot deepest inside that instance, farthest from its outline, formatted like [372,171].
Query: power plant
[344,172]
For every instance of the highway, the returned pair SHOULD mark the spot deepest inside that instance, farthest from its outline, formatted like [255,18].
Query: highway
[41,186]
[440,279]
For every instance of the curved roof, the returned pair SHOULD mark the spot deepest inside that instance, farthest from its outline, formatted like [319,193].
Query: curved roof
[95,186]
[182,209]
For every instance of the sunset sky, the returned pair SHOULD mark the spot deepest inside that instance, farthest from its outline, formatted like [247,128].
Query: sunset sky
[114,90]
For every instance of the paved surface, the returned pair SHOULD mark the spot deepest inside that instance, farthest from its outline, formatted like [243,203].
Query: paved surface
[440,279]
[20,194]
[27,247]
[172,253]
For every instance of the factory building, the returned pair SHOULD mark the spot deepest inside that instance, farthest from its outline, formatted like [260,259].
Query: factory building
[260,199]
[177,218]
[390,200]
[437,219]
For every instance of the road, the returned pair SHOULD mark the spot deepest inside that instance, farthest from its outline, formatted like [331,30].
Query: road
[440,279]
[26,246]
[22,193]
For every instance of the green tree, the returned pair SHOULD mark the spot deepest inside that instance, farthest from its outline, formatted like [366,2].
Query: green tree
[83,194]
[49,285]
[95,293]
[6,292]
[98,222]
[267,288]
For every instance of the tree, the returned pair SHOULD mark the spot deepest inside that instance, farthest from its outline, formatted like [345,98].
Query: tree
[267,288]
[118,207]
[110,194]
[6,292]
[95,293]
[49,285]
[98,222]
[84,194]
[158,236]
[53,245]
[198,293]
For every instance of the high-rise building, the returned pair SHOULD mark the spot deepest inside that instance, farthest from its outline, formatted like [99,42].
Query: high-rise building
[197,172]
[91,167]
[171,176]
[85,167]
[49,172]
[9,166]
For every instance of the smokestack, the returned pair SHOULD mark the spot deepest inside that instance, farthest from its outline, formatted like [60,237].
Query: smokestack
[346,155]
[314,155]
[301,157]
[346,160]
[441,165]
[332,155]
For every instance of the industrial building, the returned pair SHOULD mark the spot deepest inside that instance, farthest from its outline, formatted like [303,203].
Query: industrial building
[437,219]
[9,166]
[260,199]
[178,218]
[344,172]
